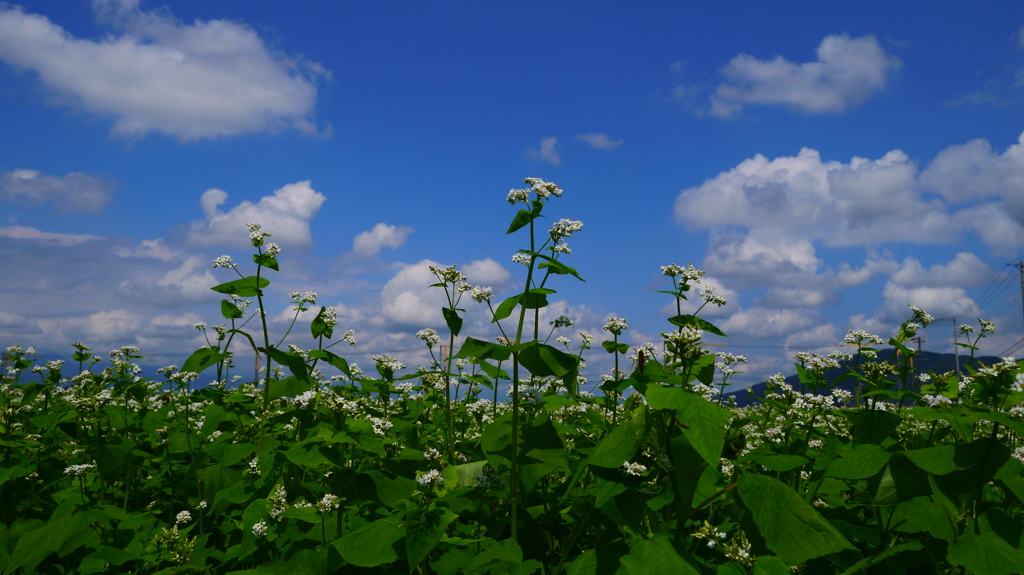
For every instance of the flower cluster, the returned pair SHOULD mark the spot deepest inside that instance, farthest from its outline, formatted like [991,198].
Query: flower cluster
[615,325]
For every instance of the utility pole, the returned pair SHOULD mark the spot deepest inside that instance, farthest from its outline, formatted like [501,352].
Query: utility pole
[956,349]
[1020,267]
[919,364]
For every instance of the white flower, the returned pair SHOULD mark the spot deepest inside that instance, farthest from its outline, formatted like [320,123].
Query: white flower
[921,315]
[79,470]
[199,325]
[202,504]
[273,250]
[431,477]
[182,517]
[543,189]
[223,262]
[520,258]
[260,529]
[615,325]
[482,294]
[303,297]
[350,337]
[329,503]
[987,327]
[518,196]
[428,335]
[562,340]
[634,468]
[565,228]
[708,294]
[387,362]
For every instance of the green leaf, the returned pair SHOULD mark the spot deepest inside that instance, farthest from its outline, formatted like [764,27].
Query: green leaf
[492,371]
[309,453]
[585,564]
[481,350]
[288,387]
[244,287]
[391,491]
[204,358]
[793,529]
[872,425]
[318,327]
[522,219]
[35,545]
[534,299]
[544,361]
[770,565]
[294,362]
[694,321]
[946,458]
[656,557]
[371,544]
[557,267]
[615,448]
[266,260]
[901,481]
[613,347]
[704,421]
[423,531]
[867,562]
[451,317]
[859,463]
[505,308]
[985,554]
[332,359]
[230,310]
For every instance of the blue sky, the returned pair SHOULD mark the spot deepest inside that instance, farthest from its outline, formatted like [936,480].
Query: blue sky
[824,167]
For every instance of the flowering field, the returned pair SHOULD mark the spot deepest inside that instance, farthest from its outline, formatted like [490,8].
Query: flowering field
[439,470]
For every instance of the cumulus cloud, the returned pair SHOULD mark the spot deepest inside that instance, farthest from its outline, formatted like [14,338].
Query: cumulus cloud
[286,214]
[370,242]
[74,192]
[190,81]
[965,270]
[546,152]
[407,299]
[863,202]
[46,238]
[156,249]
[487,272]
[795,297]
[762,323]
[599,141]
[847,72]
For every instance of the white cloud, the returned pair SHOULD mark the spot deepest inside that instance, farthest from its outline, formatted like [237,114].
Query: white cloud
[965,270]
[546,152]
[795,297]
[847,72]
[191,81]
[487,272]
[286,215]
[761,323]
[599,141]
[156,249]
[408,300]
[938,301]
[370,242]
[46,238]
[821,337]
[191,281]
[74,192]
[863,202]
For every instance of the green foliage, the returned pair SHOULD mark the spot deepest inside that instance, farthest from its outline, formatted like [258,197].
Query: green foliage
[418,473]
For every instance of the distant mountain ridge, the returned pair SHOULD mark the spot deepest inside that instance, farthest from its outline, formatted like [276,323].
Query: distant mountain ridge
[925,361]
